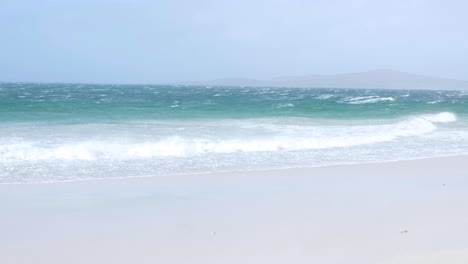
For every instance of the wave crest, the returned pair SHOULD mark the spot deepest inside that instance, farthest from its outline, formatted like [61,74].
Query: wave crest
[366,99]
[289,139]
[444,117]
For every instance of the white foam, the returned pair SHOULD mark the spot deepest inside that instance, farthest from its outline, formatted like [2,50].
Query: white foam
[284,105]
[435,102]
[444,117]
[325,96]
[284,138]
[368,99]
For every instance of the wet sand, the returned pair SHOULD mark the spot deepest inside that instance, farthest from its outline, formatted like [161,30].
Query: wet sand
[397,212]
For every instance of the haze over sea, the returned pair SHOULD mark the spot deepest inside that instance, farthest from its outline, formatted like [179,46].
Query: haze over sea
[67,132]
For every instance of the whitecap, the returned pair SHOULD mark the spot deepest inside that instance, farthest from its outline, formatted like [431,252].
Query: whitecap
[285,138]
[443,117]
[366,99]
[284,105]
[325,96]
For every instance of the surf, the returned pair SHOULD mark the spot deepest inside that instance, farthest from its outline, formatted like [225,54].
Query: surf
[271,137]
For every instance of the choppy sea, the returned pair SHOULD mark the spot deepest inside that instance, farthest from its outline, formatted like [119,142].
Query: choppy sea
[67,132]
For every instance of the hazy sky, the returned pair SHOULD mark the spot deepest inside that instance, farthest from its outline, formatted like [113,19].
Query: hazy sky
[123,41]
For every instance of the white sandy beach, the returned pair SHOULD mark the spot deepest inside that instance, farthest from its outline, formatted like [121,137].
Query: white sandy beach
[390,213]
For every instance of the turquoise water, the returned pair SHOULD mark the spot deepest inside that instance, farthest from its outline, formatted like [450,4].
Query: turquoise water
[63,132]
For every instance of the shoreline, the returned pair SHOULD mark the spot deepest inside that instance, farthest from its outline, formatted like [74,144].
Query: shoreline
[405,212]
[226,172]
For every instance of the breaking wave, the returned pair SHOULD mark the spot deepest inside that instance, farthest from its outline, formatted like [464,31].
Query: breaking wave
[366,99]
[308,137]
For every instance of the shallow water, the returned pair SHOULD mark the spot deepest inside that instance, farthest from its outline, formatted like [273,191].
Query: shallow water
[63,132]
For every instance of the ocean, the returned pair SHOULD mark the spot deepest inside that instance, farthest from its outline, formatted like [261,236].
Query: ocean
[68,132]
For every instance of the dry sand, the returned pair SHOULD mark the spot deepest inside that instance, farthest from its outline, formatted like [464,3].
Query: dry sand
[400,212]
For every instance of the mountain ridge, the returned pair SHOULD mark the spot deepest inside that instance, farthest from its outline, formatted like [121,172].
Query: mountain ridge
[375,79]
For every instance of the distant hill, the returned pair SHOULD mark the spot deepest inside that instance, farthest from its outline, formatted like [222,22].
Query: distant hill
[377,79]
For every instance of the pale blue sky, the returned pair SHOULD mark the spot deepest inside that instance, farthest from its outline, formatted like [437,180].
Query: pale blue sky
[123,41]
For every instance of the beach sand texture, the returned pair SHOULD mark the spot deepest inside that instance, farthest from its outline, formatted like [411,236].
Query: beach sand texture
[384,213]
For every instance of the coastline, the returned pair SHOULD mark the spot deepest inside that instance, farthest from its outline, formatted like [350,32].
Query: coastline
[241,172]
[392,212]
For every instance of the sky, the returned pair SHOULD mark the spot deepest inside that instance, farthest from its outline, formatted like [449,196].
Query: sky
[166,41]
